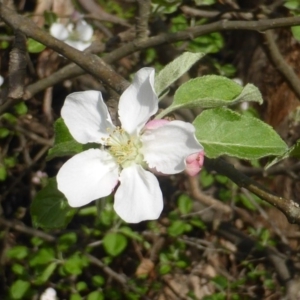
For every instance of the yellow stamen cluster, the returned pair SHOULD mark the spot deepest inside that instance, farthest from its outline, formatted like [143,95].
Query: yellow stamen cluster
[123,147]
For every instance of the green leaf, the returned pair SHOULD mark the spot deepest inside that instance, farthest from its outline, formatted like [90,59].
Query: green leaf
[296,32]
[42,257]
[164,269]
[185,204]
[171,72]
[208,43]
[17,252]
[21,108]
[66,241]
[294,151]
[98,280]
[75,264]
[177,228]
[50,17]
[213,91]
[64,144]
[34,46]
[114,243]
[96,295]
[18,269]
[50,209]
[3,173]
[4,132]
[127,231]
[44,277]
[18,289]
[75,297]
[223,131]
[81,286]
[292,4]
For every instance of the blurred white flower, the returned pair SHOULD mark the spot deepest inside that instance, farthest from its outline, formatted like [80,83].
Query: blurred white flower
[78,36]
[49,294]
[1,80]
[126,153]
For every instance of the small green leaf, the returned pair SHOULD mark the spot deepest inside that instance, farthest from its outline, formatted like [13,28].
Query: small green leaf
[50,17]
[34,46]
[96,295]
[21,108]
[292,4]
[185,204]
[18,289]
[44,277]
[18,269]
[213,91]
[164,269]
[3,173]
[4,132]
[296,32]
[64,144]
[75,264]
[66,241]
[75,297]
[127,231]
[294,151]
[223,131]
[114,243]
[177,228]
[98,280]
[171,72]
[42,257]
[81,286]
[17,252]
[50,209]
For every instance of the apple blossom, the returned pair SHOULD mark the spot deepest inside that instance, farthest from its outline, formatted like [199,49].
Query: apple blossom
[127,153]
[49,294]
[78,36]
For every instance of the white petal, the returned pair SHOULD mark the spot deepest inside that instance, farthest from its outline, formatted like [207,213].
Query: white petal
[59,31]
[86,116]
[87,176]
[1,80]
[139,197]
[84,30]
[139,101]
[166,148]
[79,45]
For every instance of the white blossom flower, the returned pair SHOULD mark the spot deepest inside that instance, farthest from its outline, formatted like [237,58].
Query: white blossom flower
[127,153]
[1,80]
[78,36]
[49,294]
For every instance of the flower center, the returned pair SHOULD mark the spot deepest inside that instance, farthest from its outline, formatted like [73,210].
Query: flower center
[124,148]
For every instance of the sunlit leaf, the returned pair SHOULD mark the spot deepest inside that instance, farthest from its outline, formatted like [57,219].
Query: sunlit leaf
[223,131]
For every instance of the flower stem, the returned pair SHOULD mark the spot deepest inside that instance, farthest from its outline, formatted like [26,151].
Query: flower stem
[164,113]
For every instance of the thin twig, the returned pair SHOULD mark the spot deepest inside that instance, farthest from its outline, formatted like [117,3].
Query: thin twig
[290,208]
[17,68]
[73,70]
[18,226]
[280,64]
[205,199]
[89,62]
[144,7]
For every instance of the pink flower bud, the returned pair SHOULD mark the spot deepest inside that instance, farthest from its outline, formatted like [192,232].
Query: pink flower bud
[153,124]
[194,163]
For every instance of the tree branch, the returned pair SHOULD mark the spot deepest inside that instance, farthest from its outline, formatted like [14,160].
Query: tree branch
[280,64]
[288,207]
[144,7]
[89,62]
